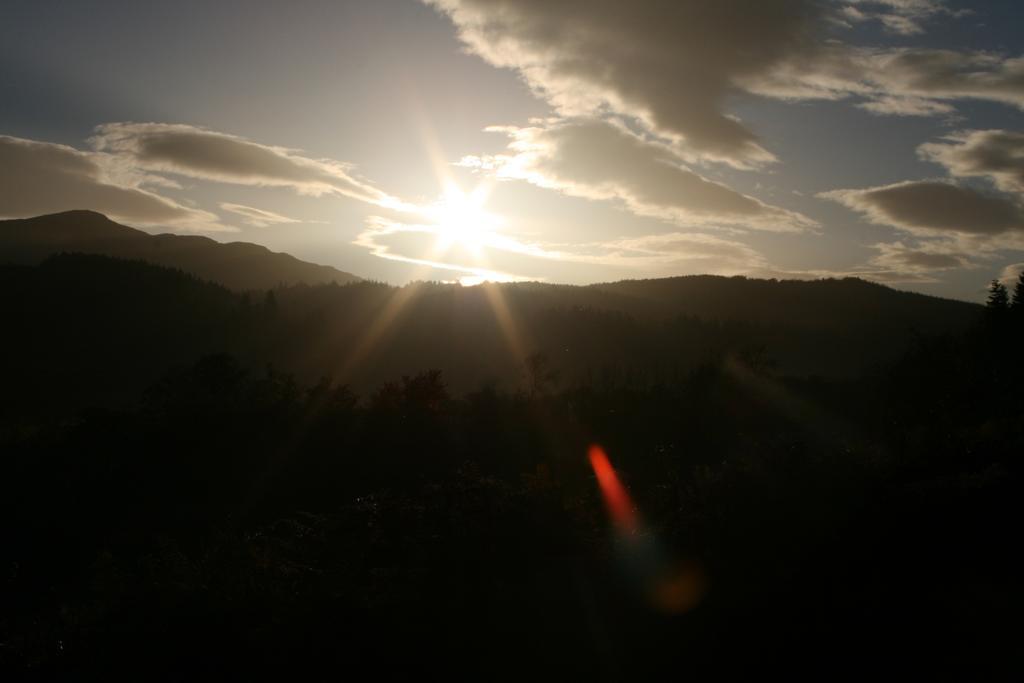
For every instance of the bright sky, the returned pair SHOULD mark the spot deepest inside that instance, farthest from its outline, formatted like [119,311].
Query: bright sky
[573,141]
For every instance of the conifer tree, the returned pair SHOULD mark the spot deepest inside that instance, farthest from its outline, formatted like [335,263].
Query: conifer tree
[1018,294]
[998,297]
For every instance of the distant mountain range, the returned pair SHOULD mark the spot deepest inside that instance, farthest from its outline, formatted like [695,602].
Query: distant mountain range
[239,266]
[84,329]
[845,304]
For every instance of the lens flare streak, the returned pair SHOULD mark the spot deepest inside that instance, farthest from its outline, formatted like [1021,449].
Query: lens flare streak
[667,585]
[620,505]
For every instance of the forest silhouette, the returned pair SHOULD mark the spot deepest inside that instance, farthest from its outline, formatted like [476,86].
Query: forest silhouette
[813,478]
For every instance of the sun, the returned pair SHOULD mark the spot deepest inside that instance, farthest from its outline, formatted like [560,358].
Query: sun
[460,219]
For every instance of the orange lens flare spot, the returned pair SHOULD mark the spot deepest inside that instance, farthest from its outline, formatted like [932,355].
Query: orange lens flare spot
[680,590]
[620,505]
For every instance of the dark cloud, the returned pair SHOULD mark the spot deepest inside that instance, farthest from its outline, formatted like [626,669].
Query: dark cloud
[42,177]
[209,155]
[605,161]
[671,64]
[935,207]
[995,154]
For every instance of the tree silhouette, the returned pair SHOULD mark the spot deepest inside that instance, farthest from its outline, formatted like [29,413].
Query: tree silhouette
[998,297]
[540,377]
[1018,294]
[270,302]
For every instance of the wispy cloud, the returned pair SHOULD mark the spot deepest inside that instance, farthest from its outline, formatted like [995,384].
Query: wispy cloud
[259,218]
[926,257]
[130,165]
[43,177]
[378,230]
[210,155]
[902,81]
[905,17]
[697,252]
[605,161]
[663,253]
[994,154]
[1010,273]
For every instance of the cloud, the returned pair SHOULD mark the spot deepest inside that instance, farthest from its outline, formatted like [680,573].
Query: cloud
[995,154]
[691,253]
[43,177]
[669,64]
[905,17]
[917,262]
[946,74]
[906,81]
[952,224]
[121,175]
[661,254]
[259,218]
[380,232]
[209,155]
[674,65]
[664,253]
[928,257]
[700,252]
[934,207]
[605,161]
[1010,274]
[906,106]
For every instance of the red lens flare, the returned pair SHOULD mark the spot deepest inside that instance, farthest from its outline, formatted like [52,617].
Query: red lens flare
[673,588]
[620,505]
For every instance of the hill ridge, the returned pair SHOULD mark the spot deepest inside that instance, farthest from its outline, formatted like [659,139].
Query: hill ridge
[237,265]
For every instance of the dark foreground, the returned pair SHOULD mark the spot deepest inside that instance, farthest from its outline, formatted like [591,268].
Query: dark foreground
[235,525]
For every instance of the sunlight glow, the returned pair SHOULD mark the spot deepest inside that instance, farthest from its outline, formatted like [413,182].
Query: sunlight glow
[379,229]
[461,219]
[459,227]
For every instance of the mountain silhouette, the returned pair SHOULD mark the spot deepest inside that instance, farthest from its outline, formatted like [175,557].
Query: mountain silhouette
[236,265]
[132,321]
[832,303]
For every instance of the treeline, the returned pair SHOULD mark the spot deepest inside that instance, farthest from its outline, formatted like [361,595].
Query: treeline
[999,300]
